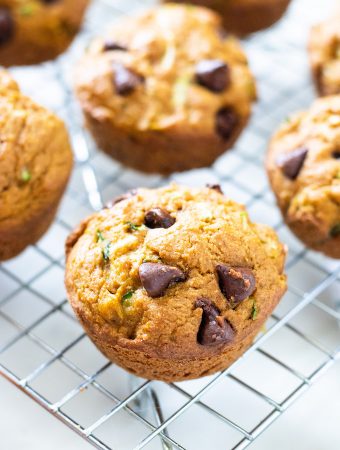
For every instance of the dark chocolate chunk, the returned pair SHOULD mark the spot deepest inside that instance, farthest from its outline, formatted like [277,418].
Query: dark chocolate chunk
[236,283]
[158,218]
[6,25]
[226,122]
[215,187]
[336,154]
[213,74]
[120,198]
[112,45]
[156,278]
[335,231]
[291,163]
[125,80]
[214,329]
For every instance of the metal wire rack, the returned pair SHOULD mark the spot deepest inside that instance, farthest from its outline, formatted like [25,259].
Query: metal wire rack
[45,353]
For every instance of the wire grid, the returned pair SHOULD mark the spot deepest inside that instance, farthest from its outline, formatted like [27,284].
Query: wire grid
[44,351]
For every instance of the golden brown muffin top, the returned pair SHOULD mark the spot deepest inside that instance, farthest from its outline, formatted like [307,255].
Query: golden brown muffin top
[324,48]
[152,268]
[170,67]
[304,165]
[35,154]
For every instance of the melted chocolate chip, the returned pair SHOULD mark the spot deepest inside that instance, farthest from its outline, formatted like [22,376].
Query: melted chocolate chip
[158,218]
[6,25]
[215,187]
[156,278]
[336,154]
[120,198]
[214,329]
[291,163]
[213,74]
[112,45]
[236,283]
[125,80]
[226,122]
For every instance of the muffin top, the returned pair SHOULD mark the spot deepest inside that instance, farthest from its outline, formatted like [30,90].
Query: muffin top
[172,67]
[35,154]
[324,46]
[304,165]
[175,270]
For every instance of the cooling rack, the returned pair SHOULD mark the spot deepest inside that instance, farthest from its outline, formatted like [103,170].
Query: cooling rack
[44,351]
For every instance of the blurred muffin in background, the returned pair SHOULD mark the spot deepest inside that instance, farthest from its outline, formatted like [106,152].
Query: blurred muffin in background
[35,164]
[33,31]
[242,17]
[324,51]
[166,90]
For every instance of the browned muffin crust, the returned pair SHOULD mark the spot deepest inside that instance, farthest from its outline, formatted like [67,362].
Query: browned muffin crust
[324,51]
[242,17]
[173,283]
[33,31]
[164,91]
[35,164]
[303,164]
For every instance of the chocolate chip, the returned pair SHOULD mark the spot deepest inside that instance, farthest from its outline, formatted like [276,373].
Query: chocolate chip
[156,278]
[336,154]
[214,329]
[215,187]
[213,74]
[335,231]
[226,122]
[6,25]
[126,81]
[158,218]
[120,198]
[236,283]
[112,45]
[291,163]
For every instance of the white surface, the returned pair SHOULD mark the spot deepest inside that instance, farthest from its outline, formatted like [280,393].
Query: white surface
[311,424]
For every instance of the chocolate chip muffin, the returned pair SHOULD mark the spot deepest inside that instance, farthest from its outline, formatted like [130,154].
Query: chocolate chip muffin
[32,31]
[165,91]
[324,50]
[303,164]
[242,17]
[35,164]
[173,283]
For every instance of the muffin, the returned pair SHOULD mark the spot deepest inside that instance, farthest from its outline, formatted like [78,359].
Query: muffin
[165,91]
[173,283]
[33,31]
[303,164]
[242,17]
[324,51]
[35,164]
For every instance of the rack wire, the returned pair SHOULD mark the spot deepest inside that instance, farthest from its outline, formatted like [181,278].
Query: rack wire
[43,350]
